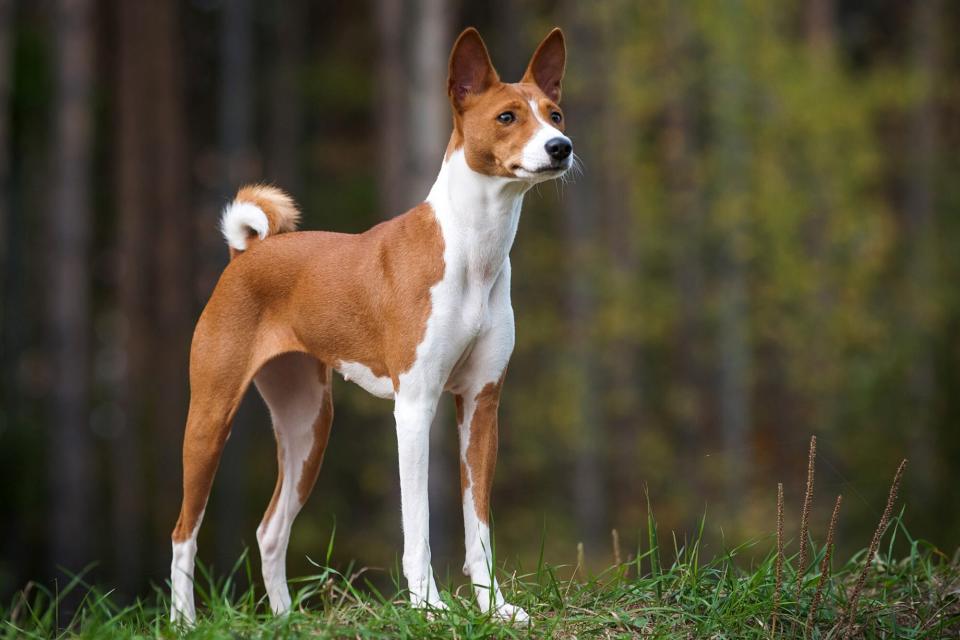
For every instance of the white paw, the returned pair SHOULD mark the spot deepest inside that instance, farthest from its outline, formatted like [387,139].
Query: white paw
[426,595]
[185,617]
[511,613]
[433,607]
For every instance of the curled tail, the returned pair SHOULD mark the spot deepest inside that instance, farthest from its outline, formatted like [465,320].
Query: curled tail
[256,212]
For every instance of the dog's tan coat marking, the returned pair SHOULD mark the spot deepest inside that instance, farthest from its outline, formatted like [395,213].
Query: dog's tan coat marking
[491,147]
[272,507]
[338,297]
[364,304]
[321,433]
[482,448]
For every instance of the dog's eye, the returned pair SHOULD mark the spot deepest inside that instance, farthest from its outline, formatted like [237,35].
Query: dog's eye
[506,117]
[556,117]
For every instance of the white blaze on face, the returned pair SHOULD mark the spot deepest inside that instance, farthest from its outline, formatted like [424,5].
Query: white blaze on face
[534,156]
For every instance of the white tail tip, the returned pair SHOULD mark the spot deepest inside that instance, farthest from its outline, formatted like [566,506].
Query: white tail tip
[239,220]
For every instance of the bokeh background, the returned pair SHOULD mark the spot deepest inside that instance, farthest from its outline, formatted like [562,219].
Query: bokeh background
[764,245]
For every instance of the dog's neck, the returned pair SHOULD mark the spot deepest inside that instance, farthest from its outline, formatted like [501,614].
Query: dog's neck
[478,215]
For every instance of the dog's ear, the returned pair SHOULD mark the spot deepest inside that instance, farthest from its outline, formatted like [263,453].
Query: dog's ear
[471,71]
[546,66]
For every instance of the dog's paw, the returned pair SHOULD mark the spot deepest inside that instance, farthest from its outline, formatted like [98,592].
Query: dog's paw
[511,613]
[432,609]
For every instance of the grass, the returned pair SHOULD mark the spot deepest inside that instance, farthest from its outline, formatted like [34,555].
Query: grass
[668,590]
[660,594]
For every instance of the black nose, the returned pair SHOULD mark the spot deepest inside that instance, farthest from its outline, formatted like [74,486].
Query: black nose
[559,148]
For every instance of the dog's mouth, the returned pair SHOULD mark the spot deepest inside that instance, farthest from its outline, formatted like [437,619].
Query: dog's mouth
[557,167]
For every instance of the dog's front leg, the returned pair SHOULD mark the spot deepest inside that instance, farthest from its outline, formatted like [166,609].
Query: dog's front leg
[477,421]
[414,413]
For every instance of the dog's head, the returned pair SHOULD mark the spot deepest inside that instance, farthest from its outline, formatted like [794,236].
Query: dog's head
[509,130]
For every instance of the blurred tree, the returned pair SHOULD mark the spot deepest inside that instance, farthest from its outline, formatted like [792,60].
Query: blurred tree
[154,253]
[236,120]
[128,381]
[391,71]
[70,476]
[6,23]
[684,202]
[729,210]
[578,213]
[285,129]
[919,225]
[173,247]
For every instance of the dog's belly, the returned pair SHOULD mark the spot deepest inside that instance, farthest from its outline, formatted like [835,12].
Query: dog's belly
[362,376]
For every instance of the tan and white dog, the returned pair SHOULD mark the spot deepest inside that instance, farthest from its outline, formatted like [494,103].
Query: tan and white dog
[415,306]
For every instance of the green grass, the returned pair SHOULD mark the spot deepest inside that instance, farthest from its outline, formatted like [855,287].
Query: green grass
[669,591]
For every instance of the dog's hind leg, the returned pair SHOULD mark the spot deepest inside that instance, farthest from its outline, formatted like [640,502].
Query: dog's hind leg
[217,384]
[297,389]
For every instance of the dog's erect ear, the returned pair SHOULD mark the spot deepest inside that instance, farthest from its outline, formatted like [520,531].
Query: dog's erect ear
[546,66]
[471,71]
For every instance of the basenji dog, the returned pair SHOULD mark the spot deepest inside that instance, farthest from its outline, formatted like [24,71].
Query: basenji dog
[416,306]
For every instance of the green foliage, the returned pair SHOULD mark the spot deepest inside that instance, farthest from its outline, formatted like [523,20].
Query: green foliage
[912,596]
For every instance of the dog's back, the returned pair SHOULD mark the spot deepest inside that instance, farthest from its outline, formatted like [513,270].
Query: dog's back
[347,298]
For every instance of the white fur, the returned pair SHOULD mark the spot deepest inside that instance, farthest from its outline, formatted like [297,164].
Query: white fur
[238,219]
[360,374]
[534,157]
[467,343]
[291,387]
[181,578]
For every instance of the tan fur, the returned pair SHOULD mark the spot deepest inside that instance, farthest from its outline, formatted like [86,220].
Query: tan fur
[272,507]
[548,64]
[482,448]
[321,434]
[492,147]
[281,211]
[338,297]
[361,298]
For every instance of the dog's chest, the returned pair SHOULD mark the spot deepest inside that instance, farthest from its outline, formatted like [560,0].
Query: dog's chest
[463,310]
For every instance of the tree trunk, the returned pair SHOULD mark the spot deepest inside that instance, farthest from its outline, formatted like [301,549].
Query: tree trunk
[685,202]
[125,449]
[236,122]
[286,98]
[920,225]
[6,20]
[71,449]
[391,80]
[819,19]
[731,184]
[6,215]
[616,355]
[588,488]
[174,239]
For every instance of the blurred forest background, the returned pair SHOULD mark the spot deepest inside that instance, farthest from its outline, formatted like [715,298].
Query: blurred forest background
[765,244]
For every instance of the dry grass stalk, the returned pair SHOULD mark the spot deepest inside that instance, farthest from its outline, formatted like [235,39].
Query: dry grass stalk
[805,515]
[875,544]
[615,540]
[778,567]
[579,558]
[824,566]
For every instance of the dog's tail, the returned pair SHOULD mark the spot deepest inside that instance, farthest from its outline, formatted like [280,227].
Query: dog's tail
[256,212]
